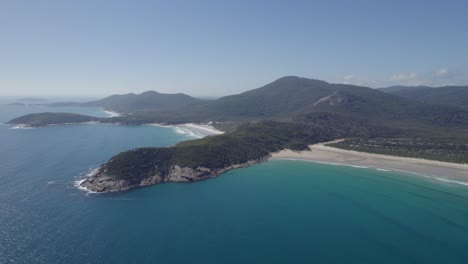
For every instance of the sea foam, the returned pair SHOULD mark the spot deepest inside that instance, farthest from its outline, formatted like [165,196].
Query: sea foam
[451,181]
[77,183]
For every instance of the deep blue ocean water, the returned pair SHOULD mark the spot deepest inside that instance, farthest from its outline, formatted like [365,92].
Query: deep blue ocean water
[274,212]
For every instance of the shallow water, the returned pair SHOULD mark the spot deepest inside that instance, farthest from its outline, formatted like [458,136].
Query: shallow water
[275,212]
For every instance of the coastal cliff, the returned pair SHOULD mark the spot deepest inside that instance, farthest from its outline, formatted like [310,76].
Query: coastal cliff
[101,182]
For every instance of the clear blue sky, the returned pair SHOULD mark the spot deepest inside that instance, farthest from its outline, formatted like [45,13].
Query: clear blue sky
[224,47]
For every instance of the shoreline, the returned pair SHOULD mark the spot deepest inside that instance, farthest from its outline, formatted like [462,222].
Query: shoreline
[191,129]
[23,126]
[320,153]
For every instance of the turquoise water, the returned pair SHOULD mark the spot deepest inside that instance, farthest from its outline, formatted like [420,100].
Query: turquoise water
[274,212]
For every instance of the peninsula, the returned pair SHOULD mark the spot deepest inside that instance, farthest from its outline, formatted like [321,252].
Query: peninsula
[290,113]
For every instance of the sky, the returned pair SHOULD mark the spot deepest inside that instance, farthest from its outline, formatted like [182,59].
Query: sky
[216,48]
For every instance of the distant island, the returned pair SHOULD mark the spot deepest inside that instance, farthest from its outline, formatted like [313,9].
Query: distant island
[289,113]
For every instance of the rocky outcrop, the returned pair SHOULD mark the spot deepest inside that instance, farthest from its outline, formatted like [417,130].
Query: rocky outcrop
[100,182]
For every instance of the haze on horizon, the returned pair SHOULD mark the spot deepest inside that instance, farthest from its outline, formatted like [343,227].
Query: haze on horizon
[214,48]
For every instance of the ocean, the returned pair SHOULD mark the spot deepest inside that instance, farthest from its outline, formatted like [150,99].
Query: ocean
[280,211]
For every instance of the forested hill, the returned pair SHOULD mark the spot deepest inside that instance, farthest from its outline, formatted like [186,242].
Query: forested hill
[290,112]
[288,97]
[448,95]
[283,100]
[144,102]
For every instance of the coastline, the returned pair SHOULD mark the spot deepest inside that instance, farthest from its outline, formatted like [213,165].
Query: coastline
[320,153]
[191,129]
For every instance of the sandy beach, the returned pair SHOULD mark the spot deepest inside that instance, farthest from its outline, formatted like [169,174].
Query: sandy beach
[194,130]
[201,129]
[111,113]
[444,171]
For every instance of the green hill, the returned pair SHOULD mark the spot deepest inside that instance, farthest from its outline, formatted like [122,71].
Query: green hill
[283,100]
[44,119]
[149,101]
[290,112]
[290,96]
[456,96]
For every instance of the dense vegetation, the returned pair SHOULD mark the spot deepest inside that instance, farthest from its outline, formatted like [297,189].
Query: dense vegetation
[149,101]
[290,113]
[427,148]
[44,119]
[447,95]
[252,141]
[283,100]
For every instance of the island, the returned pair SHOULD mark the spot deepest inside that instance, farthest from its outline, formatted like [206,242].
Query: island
[45,119]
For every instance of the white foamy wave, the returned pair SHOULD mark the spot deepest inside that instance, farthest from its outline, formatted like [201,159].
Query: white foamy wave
[379,169]
[78,183]
[22,127]
[158,125]
[188,132]
[360,167]
[323,162]
[451,181]
[111,113]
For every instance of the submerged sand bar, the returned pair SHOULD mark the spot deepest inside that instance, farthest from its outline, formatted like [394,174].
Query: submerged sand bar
[444,171]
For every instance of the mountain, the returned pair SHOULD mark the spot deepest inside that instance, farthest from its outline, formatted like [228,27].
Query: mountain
[147,101]
[144,102]
[448,95]
[290,96]
[289,113]
[283,100]
[398,88]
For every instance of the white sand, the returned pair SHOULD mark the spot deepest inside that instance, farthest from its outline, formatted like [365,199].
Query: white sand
[444,171]
[193,130]
[207,129]
[111,113]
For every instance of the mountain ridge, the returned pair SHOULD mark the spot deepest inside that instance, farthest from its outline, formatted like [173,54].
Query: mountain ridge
[456,96]
[288,113]
[143,102]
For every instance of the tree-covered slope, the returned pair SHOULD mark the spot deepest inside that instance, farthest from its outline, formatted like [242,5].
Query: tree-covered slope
[288,97]
[251,142]
[44,119]
[147,101]
[198,159]
[448,95]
